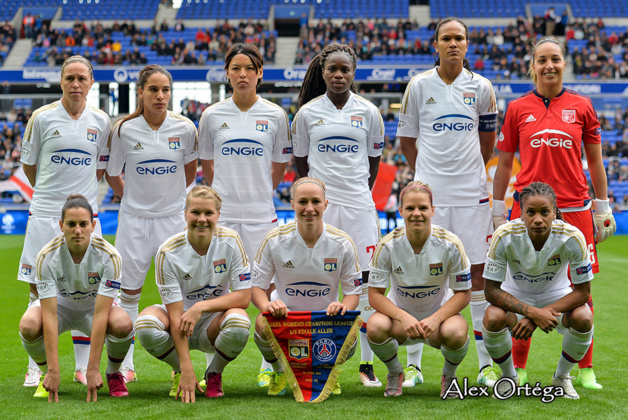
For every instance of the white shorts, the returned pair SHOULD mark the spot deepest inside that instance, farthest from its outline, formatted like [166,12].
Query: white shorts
[541,301]
[70,319]
[137,241]
[473,225]
[251,235]
[39,231]
[199,340]
[361,225]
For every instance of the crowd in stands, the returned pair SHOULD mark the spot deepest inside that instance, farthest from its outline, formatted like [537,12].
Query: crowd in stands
[11,128]
[7,38]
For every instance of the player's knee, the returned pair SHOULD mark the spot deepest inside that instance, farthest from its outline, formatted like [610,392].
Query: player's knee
[378,328]
[237,326]
[581,319]
[494,318]
[147,328]
[30,327]
[120,326]
[259,325]
[455,332]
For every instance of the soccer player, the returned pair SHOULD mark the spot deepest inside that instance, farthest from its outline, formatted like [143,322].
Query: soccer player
[195,270]
[159,152]
[63,152]
[550,126]
[453,114]
[537,250]
[338,137]
[311,261]
[78,276]
[244,149]
[420,262]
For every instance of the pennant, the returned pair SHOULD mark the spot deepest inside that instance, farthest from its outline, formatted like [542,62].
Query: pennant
[311,346]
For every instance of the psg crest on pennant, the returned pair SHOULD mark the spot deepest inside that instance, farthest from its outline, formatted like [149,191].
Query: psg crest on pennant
[569,116]
[174,143]
[92,134]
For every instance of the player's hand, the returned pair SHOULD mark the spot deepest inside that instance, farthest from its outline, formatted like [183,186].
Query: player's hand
[188,384]
[545,318]
[604,221]
[524,329]
[51,384]
[412,326]
[94,383]
[336,308]
[189,319]
[277,308]
[500,213]
[430,325]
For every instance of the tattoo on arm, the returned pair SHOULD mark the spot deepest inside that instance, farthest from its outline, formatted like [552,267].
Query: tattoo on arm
[504,300]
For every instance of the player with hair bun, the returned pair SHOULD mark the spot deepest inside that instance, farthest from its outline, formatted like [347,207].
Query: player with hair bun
[64,151]
[538,251]
[158,150]
[422,263]
[78,277]
[338,137]
[551,126]
[447,129]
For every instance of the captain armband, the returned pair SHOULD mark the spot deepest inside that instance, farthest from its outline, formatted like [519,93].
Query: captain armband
[488,123]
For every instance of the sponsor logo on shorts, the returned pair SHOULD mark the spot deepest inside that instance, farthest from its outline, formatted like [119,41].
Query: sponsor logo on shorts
[112,284]
[436,269]
[174,143]
[93,278]
[468,98]
[584,270]
[463,277]
[554,260]
[92,135]
[245,277]
[299,349]
[356,122]
[261,125]
[220,266]
[324,349]
[331,264]
[26,269]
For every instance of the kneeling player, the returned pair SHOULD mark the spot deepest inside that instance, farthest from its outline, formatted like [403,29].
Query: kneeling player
[306,256]
[421,262]
[536,250]
[78,276]
[195,270]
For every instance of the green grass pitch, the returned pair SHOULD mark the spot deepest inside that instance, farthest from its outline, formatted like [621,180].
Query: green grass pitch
[149,395]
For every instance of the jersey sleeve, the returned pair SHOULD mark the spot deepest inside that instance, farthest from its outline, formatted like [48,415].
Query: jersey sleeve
[408,125]
[31,142]
[116,153]
[380,267]
[591,129]
[167,282]
[111,276]
[300,135]
[45,280]
[459,267]
[350,273]
[282,145]
[264,266]
[191,149]
[579,262]
[206,142]
[376,134]
[508,139]
[496,261]
[240,270]
[103,145]
[487,108]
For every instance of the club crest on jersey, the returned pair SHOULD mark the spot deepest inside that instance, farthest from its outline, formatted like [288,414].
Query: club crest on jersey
[174,143]
[93,278]
[356,122]
[436,269]
[468,98]
[555,260]
[569,116]
[299,349]
[26,269]
[92,134]
[324,349]
[220,266]
[261,125]
[331,264]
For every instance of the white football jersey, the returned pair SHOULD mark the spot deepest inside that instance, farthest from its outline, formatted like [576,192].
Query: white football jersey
[184,275]
[67,153]
[76,285]
[243,146]
[307,279]
[445,119]
[513,260]
[154,164]
[420,283]
[338,143]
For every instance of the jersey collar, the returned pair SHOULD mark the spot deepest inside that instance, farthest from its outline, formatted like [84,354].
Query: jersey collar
[545,100]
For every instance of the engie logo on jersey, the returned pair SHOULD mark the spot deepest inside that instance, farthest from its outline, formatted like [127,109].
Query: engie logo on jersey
[26,269]
[174,143]
[220,266]
[569,116]
[436,269]
[61,157]
[331,264]
[93,278]
[156,167]
[338,144]
[92,135]
[356,122]
[261,125]
[301,289]
[324,349]
[204,293]
[468,98]
[451,122]
[299,349]
[551,138]
[242,147]
[417,292]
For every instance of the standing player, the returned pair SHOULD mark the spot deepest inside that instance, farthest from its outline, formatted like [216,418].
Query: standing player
[536,250]
[452,112]
[420,262]
[551,126]
[63,152]
[310,261]
[338,137]
[78,276]
[244,149]
[158,150]
[195,270]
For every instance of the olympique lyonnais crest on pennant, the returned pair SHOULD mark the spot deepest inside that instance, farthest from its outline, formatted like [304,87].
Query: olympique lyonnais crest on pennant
[356,122]
[569,116]
[468,98]
[174,143]
[311,346]
[92,135]
[331,264]
[261,125]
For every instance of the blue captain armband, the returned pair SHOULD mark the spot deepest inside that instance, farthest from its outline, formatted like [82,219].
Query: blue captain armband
[488,123]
